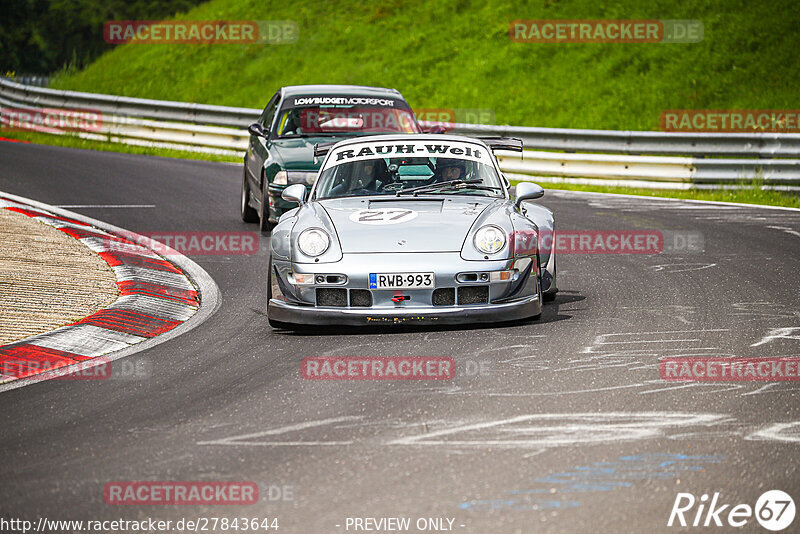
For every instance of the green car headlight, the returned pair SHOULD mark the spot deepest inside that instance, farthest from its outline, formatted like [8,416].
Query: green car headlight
[281,178]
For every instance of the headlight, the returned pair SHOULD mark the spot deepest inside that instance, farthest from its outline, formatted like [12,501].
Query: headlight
[281,178]
[313,242]
[490,239]
[302,177]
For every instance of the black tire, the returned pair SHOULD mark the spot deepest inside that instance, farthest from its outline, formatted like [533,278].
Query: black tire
[278,325]
[539,290]
[264,224]
[249,215]
[550,296]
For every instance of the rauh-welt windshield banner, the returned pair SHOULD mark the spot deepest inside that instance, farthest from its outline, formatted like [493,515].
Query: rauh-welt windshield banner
[419,149]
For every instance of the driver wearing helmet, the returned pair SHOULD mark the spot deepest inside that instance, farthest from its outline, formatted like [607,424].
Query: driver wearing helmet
[371,174]
[448,170]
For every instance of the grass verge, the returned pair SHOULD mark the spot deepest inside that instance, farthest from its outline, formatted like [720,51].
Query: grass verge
[457,54]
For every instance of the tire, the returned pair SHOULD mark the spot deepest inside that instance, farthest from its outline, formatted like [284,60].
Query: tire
[539,290]
[278,325]
[550,296]
[264,223]
[249,215]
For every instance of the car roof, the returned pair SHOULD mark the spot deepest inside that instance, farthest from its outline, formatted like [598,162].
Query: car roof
[343,90]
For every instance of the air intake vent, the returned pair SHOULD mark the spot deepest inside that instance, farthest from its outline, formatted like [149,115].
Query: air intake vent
[444,296]
[360,298]
[473,295]
[329,296]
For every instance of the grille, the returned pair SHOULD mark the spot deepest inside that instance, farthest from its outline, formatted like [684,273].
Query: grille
[330,296]
[444,296]
[360,298]
[473,295]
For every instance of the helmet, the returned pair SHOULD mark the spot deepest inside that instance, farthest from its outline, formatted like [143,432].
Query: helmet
[443,164]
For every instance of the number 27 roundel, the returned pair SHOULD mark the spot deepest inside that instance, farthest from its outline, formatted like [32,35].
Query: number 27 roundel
[383,216]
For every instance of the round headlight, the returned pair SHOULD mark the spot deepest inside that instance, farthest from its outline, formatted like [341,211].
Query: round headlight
[313,241]
[490,239]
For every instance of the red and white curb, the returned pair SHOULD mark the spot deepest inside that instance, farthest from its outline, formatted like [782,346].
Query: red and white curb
[158,300]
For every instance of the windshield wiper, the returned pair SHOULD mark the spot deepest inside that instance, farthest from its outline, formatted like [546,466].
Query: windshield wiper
[475,188]
[457,185]
[439,185]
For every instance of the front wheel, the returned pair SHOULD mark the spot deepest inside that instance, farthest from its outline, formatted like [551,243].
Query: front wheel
[538,290]
[550,296]
[249,215]
[265,225]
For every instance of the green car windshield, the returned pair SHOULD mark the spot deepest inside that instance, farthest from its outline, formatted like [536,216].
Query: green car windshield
[313,121]
[408,175]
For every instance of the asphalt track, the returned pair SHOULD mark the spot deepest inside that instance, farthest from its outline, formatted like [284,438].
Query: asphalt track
[566,425]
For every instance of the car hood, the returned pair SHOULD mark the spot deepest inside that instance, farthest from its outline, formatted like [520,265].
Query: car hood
[297,154]
[381,224]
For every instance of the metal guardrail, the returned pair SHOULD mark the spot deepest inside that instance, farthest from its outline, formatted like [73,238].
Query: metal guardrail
[662,158]
[39,81]
[129,107]
[653,168]
[752,145]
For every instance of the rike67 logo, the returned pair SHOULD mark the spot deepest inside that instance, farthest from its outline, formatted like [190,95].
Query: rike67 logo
[774,511]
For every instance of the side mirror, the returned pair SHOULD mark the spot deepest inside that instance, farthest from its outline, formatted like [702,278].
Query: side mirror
[295,193]
[256,129]
[528,191]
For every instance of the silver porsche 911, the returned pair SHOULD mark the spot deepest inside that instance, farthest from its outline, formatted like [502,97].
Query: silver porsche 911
[410,229]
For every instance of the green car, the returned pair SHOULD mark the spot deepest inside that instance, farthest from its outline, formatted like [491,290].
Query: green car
[281,148]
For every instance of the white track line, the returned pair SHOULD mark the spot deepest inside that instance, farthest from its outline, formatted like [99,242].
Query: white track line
[565,193]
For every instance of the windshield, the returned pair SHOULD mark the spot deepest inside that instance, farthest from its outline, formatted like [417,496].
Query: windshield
[409,175]
[311,121]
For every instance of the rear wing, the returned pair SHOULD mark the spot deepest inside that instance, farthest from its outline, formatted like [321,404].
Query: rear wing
[321,149]
[503,143]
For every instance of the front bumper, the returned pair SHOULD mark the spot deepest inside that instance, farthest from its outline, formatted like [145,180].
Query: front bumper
[506,300]
[423,315]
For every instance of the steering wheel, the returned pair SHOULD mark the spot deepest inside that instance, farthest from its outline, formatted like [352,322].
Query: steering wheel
[391,186]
